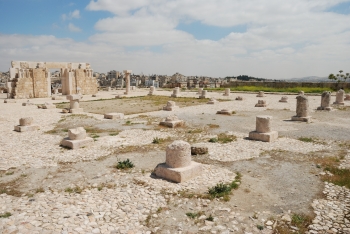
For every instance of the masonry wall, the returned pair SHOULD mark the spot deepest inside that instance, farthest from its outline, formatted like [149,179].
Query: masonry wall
[85,81]
[31,84]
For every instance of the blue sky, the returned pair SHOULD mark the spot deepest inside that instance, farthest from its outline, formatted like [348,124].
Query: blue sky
[263,38]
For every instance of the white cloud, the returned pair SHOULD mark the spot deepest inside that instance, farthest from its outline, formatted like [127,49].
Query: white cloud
[71,15]
[291,38]
[73,28]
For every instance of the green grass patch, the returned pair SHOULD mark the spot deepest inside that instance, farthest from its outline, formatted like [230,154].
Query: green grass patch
[74,190]
[126,164]
[306,139]
[340,177]
[224,190]
[5,215]
[157,140]
[223,138]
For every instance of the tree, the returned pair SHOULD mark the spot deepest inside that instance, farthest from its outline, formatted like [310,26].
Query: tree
[339,77]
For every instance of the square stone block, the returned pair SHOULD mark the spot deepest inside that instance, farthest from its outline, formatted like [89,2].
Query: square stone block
[173,124]
[166,108]
[178,175]
[76,144]
[114,116]
[266,137]
[302,119]
[76,110]
[29,128]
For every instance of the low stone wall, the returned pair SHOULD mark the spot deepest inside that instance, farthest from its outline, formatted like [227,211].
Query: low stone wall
[330,85]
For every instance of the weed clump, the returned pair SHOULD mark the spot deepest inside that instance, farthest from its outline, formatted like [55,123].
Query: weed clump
[73,190]
[157,140]
[5,215]
[223,138]
[306,139]
[224,190]
[126,164]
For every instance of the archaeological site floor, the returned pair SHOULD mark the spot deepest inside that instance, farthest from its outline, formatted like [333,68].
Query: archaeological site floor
[280,186]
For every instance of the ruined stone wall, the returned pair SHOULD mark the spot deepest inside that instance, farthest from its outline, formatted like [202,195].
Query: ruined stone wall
[30,83]
[85,81]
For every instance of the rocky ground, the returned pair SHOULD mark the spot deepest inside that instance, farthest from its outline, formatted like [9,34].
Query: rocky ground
[48,189]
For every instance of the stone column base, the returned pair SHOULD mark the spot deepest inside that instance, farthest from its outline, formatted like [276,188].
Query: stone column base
[178,175]
[76,110]
[260,105]
[282,101]
[266,137]
[76,144]
[175,95]
[203,97]
[171,108]
[173,124]
[339,103]
[29,128]
[302,119]
[224,112]
[114,116]
[226,94]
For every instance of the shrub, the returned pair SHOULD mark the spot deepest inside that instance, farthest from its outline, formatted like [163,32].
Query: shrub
[210,218]
[213,140]
[157,140]
[126,164]
[5,215]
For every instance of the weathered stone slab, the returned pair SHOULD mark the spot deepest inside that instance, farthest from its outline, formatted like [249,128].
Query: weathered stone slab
[170,106]
[19,128]
[239,98]
[284,99]
[261,103]
[77,133]
[76,144]
[212,101]
[172,122]
[9,101]
[224,112]
[266,137]
[178,175]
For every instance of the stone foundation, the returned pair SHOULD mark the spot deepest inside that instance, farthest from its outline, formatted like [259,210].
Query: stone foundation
[19,128]
[266,137]
[76,144]
[178,175]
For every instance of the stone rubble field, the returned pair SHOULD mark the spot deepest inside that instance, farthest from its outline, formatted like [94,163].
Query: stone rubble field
[80,191]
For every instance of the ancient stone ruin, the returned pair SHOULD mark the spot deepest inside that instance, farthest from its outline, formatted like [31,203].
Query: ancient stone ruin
[239,98]
[48,105]
[77,138]
[325,101]
[284,99]
[33,79]
[224,112]
[172,121]
[263,130]
[114,116]
[227,92]
[9,101]
[176,92]
[178,166]
[200,90]
[74,104]
[302,109]
[170,106]
[199,149]
[212,101]
[261,103]
[347,97]
[25,125]
[127,81]
[261,94]
[204,94]
[339,98]
[151,90]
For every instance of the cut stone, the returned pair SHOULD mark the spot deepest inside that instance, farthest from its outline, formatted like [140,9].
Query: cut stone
[178,154]
[261,103]
[339,99]
[170,106]
[239,98]
[302,109]
[284,99]
[261,94]
[204,94]
[75,144]
[172,122]
[224,112]
[212,101]
[19,128]
[26,121]
[198,149]
[77,133]
[325,101]
[266,137]
[263,124]
[227,92]
[178,175]
[114,116]
[176,92]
